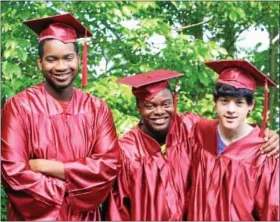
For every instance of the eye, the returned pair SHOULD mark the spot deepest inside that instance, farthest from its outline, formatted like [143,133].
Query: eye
[149,106]
[69,58]
[166,104]
[240,102]
[50,59]
[224,100]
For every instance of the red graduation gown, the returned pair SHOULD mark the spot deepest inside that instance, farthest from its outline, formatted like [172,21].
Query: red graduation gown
[240,184]
[152,185]
[34,126]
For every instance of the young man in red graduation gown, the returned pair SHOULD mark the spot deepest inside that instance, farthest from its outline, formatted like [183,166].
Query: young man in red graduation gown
[231,180]
[60,154]
[155,157]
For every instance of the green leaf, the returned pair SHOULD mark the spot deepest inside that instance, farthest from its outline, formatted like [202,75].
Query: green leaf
[146,5]
[25,14]
[11,44]
[240,13]
[22,55]
[127,10]
[117,13]
[23,42]
[8,53]
[232,16]
[9,70]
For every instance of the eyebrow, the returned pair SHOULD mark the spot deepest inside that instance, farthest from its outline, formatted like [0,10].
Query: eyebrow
[150,102]
[69,54]
[50,56]
[54,56]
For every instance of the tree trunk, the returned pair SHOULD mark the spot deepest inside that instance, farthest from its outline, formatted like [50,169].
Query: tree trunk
[274,94]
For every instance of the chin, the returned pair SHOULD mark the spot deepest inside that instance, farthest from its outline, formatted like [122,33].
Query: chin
[164,128]
[231,126]
[60,85]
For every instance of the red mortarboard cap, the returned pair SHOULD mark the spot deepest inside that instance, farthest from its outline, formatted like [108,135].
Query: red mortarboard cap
[147,85]
[65,28]
[241,74]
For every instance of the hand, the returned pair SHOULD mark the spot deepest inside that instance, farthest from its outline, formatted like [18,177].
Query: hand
[37,165]
[48,167]
[271,147]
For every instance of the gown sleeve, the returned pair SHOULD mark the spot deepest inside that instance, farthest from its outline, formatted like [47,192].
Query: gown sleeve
[117,205]
[267,195]
[90,179]
[26,189]
[190,119]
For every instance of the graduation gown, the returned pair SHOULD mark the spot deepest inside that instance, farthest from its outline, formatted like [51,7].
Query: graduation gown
[239,184]
[84,139]
[152,185]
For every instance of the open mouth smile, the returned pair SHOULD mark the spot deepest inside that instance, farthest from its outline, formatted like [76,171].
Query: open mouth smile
[160,121]
[61,76]
[230,118]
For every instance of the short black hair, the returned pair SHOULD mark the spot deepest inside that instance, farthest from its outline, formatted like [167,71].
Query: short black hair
[42,43]
[227,90]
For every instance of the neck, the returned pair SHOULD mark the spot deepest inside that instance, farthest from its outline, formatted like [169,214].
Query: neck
[231,135]
[63,95]
[160,137]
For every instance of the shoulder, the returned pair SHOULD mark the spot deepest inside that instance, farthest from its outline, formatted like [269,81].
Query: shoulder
[204,131]
[189,119]
[90,102]
[129,143]
[23,99]
[267,165]
[205,124]
[253,142]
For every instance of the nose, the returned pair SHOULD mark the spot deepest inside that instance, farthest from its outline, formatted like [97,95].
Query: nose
[231,107]
[61,65]
[159,110]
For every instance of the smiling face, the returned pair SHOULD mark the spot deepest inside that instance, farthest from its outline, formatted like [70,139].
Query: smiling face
[232,111]
[157,113]
[59,64]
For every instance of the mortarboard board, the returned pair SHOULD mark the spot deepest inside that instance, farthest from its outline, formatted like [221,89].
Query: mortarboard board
[147,85]
[242,74]
[65,28]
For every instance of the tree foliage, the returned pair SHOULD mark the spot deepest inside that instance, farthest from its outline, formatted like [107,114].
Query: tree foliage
[170,35]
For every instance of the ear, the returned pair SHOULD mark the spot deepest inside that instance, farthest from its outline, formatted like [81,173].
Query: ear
[39,63]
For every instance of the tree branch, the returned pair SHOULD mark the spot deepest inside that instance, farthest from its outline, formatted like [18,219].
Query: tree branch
[192,25]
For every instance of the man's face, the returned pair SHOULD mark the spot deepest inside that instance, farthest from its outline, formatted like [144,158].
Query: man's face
[157,113]
[59,63]
[232,112]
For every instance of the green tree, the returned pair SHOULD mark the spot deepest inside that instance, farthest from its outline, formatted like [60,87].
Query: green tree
[190,33]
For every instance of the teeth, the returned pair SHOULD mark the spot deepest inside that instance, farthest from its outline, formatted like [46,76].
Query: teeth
[160,121]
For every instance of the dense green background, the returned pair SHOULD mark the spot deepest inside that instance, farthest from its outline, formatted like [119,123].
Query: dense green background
[127,51]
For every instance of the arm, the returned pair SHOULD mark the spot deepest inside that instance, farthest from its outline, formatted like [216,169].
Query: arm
[90,179]
[267,195]
[116,206]
[190,119]
[270,148]
[32,194]
[48,167]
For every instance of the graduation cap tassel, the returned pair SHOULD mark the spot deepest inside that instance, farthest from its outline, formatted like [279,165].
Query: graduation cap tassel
[175,96]
[84,68]
[265,109]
